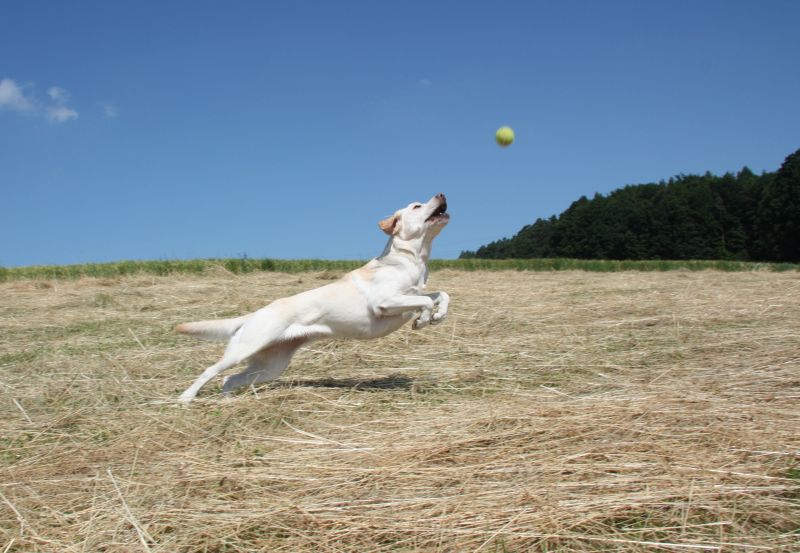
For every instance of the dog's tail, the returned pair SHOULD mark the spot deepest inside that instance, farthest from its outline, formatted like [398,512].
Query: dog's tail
[215,331]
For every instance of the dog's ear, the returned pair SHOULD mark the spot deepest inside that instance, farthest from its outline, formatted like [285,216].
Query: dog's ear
[389,225]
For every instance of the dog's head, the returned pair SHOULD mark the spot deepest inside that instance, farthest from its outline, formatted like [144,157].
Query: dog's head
[418,220]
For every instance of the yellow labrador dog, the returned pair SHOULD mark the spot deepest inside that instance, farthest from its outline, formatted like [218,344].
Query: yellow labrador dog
[370,302]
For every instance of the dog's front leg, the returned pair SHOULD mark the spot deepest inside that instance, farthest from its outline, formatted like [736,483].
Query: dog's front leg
[400,304]
[441,301]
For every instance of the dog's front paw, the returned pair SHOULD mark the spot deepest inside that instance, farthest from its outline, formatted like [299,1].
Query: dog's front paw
[421,322]
[442,303]
[438,317]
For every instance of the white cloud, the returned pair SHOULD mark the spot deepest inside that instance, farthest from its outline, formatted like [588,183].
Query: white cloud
[110,110]
[61,114]
[58,94]
[15,98]
[12,97]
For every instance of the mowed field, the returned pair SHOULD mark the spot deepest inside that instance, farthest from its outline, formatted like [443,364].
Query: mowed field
[551,411]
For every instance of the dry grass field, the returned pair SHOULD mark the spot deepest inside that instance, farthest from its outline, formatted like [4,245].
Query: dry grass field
[551,411]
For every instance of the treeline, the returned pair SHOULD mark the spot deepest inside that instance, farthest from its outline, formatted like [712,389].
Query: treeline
[741,216]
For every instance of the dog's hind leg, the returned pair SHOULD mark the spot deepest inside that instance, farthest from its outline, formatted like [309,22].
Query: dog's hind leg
[266,365]
[227,361]
[274,328]
[235,353]
[262,330]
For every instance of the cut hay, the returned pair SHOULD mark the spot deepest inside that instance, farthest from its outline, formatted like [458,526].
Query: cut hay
[560,411]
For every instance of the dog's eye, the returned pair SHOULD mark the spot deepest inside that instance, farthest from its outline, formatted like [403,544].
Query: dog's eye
[417,206]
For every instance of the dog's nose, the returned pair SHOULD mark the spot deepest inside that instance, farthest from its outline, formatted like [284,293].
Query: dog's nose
[441,197]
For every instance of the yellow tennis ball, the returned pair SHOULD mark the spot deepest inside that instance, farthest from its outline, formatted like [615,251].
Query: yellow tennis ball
[504,136]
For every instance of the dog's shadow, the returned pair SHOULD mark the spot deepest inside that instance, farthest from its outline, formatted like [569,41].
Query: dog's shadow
[390,382]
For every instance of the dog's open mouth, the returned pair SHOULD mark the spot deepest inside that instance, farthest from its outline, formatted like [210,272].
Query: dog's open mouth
[440,213]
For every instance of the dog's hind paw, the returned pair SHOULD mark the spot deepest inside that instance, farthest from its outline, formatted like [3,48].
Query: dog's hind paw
[185,399]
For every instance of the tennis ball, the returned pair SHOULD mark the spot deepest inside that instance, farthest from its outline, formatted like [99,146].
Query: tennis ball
[504,136]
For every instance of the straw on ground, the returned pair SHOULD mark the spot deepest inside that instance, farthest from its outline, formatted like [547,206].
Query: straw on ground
[551,411]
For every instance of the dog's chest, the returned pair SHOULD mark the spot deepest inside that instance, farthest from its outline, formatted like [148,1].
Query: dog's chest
[418,288]
[400,278]
[415,284]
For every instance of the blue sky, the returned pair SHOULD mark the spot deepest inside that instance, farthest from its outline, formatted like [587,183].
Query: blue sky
[286,129]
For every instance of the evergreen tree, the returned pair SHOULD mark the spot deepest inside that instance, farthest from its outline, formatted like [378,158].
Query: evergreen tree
[778,216]
[742,216]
